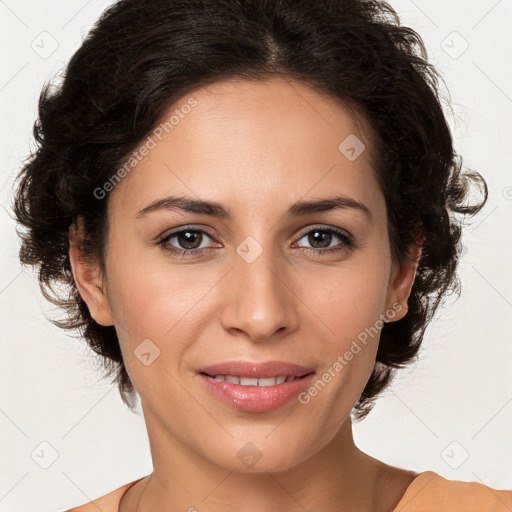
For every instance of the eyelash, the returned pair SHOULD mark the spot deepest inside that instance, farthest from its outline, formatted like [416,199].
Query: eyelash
[348,242]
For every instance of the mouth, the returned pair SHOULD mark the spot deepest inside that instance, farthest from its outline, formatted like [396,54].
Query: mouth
[255,394]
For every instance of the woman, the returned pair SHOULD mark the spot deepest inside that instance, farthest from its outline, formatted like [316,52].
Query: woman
[253,205]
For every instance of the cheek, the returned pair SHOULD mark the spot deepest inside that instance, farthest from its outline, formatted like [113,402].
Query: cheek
[351,309]
[150,299]
[349,303]
[155,314]
[136,302]
[348,298]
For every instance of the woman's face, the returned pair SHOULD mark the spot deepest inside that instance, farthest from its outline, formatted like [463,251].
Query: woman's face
[261,289]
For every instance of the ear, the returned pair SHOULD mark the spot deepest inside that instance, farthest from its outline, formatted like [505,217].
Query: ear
[88,278]
[402,280]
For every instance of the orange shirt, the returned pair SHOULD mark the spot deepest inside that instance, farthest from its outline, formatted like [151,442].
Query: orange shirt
[428,492]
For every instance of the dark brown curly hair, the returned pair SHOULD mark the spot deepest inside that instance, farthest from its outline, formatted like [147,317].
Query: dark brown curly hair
[142,55]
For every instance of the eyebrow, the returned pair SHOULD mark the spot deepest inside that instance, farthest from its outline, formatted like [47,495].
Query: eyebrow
[214,209]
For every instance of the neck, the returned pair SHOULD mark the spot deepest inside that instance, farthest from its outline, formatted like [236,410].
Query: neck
[338,475]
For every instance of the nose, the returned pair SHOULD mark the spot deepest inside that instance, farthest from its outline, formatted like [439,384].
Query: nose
[258,299]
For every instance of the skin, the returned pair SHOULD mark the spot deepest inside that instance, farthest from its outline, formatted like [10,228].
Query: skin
[255,147]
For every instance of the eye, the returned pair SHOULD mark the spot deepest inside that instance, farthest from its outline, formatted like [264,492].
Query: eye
[320,238]
[189,239]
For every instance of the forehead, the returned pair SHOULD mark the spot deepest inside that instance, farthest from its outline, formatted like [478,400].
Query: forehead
[251,142]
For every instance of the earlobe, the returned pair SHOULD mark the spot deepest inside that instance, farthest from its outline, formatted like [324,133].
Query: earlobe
[88,280]
[402,281]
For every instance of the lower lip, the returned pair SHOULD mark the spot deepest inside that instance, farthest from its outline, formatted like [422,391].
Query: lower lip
[256,398]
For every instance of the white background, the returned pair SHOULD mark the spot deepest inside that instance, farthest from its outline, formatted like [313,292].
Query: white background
[455,402]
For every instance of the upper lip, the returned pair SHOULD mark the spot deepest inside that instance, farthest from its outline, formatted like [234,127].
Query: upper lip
[256,369]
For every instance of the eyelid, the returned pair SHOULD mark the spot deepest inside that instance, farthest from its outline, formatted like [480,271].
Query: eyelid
[327,228]
[178,230]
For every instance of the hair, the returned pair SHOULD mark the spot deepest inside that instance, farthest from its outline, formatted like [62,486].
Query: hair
[141,56]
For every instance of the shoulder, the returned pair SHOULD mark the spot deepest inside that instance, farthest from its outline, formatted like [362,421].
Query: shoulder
[430,492]
[107,503]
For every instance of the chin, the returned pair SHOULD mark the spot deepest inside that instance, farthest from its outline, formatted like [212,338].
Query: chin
[254,457]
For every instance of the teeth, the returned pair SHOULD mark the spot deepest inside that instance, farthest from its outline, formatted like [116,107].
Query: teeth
[249,381]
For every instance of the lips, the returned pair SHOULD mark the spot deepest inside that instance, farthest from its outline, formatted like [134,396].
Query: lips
[256,399]
[252,369]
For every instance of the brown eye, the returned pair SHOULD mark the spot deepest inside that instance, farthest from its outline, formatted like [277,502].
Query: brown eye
[188,239]
[188,242]
[320,240]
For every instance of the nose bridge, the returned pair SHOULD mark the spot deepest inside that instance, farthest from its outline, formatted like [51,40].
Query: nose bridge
[261,302]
